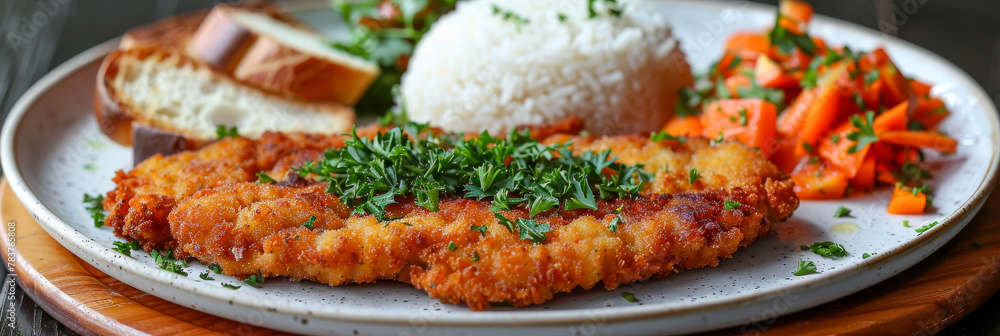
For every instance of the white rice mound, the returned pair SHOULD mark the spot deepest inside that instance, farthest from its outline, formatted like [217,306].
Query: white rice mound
[476,71]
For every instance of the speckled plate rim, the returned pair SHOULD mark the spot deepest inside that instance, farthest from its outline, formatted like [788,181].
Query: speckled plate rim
[949,226]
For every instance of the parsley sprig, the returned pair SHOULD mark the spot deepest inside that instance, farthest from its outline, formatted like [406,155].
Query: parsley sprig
[95,208]
[827,249]
[168,262]
[515,171]
[126,248]
[864,133]
[787,41]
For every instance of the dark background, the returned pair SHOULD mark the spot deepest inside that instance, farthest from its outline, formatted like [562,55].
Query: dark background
[966,32]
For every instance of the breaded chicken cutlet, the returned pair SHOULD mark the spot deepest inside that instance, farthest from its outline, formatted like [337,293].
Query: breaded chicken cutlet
[206,205]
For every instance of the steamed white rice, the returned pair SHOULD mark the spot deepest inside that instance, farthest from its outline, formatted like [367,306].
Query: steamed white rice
[476,71]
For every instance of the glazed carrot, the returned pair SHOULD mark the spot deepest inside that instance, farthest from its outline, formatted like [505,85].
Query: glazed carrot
[865,178]
[749,45]
[871,95]
[768,73]
[873,60]
[923,139]
[930,112]
[793,26]
[907,154]
[750,121]
[906,202]
[835,147]
[814,182]
[684,126]
[823,112]
[800,11]
[724,68]
[734,83]
[784,155]
[884,173]
[795,114]
[920,88]
[893,119]
[895,86]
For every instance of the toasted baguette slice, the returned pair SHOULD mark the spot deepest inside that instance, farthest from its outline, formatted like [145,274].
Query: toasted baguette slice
[170,92]
[281,58]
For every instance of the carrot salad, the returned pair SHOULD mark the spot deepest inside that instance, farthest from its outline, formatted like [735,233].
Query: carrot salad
[839,121]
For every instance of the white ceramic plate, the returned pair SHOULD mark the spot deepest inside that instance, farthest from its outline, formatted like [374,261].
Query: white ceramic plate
[53,153]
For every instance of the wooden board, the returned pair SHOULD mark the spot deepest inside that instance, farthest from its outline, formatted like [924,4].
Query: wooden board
[923,300]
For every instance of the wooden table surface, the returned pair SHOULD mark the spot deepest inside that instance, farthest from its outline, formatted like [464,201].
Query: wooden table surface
[921,301]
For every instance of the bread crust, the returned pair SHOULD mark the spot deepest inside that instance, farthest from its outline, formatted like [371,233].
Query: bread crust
[275,67]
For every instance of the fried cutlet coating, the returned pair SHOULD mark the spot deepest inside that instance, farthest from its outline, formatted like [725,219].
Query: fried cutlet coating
[250,228]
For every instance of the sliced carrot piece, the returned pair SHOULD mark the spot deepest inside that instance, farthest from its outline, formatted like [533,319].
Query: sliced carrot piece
[893,119]
[814,182]
[834,148]
[822,114]
[920,88]
[795,114]
[750,121]
[923,139]
[684,126]
[749,45]
[784,155]
[930,112]
[734,83]
[873,60]
[895,85]
[872,94]
[800,11]
[907,154]
[906,202]
[865,178]
[884,173]
[793,26]
[768,73]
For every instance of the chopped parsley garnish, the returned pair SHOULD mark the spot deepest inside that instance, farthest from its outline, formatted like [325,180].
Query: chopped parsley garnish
[663,135]
[516,171]
[867,255]
[808,147]
[693,175]
[204,276]
[126,248]
[863,134]
[629,297]
[615,222]
[842,212]
[264,178]
[828,250]
[924,228]
[773,96]
[452,246]
[562,17]
[481,228]
[309,222]
[531,230]
[509,15]
[168,262]
[95,208]
[743,116]
[474,256]
[805,267]
[215,268]
[871,76]
[730,205]
[906,223]
[233,287]
[222,132]
[254,280]
[614,8]
[835,139]
[788,41]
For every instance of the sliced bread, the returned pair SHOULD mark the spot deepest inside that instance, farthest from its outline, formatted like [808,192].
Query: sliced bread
[279,57]
[173,93]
